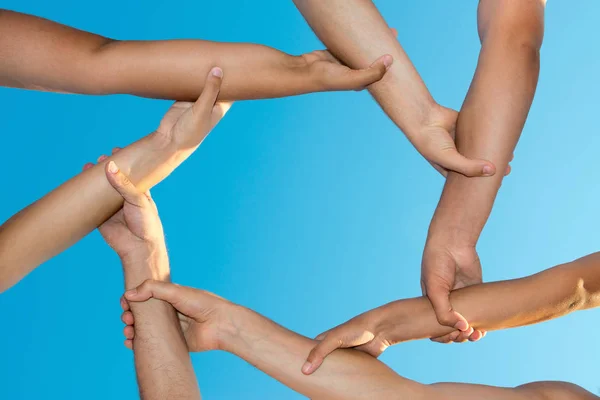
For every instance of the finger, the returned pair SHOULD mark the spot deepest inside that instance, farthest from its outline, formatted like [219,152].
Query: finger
[446,339]
[476,336]
[129,344]
[88,166]
[318,354]
[115,150]
[452,160]
[508,170]
[124,304]
[101,158]
[439,296]
[219,110]
[464,336]
[129,332]
[176,295]
[127,318]
[124,186]
[202,108]
[357,79]
[322,336]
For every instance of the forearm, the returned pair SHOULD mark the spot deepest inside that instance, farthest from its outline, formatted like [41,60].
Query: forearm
[500,305]
[163,366]
[77,207]
[494,112]
[40,54]
[356,33]
[346,374]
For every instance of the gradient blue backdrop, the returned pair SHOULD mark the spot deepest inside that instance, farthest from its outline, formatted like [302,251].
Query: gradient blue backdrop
[309,209]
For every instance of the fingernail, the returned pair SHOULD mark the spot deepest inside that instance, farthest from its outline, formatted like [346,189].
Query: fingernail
[306,367]
[487,170]
[131,292]
[216,71]
[112,167]
[461,326]
[387,61]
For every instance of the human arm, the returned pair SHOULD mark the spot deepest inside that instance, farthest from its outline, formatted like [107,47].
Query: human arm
[67,214]
[489,306]
[163,366]
[36,53]
[347,374]
[354,31]
[490,123]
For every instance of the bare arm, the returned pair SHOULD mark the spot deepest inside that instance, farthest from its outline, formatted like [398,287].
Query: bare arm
[354,31]
[77,207]
[499,305]
[490,306]
[489,126]
[36,53]
[346,374]
[163,366]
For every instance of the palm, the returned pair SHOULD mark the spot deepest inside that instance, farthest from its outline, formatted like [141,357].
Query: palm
[198,335]
[130,229]
[438,136]
[172,116]
[452,268]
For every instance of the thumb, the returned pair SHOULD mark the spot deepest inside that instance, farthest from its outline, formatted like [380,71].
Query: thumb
[177,296]
[452,160]
[124,186]
[359,79]
[439,296]
[319,352]
[202,108]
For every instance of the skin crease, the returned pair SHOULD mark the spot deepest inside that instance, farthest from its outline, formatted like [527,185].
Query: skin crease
[213,323]
[511,33]
[39,54]
[77,207]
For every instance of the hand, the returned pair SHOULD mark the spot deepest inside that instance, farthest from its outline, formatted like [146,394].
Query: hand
[135,231]
[186,124]
[331,74]
[363,333]
[202,315]
[436,143]
[445,268]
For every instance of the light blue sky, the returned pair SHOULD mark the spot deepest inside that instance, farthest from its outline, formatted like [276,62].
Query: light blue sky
[309,209]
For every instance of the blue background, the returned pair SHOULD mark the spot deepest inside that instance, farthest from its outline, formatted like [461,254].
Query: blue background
[309,210]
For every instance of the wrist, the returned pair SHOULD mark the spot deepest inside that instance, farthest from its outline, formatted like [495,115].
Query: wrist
[390,319]
[152,262]
[232,320]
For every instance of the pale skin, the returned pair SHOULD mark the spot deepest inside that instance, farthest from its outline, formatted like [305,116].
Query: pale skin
[212,323]
[162,361]
[354,31]
[39,54]
[67,214]
[488,127]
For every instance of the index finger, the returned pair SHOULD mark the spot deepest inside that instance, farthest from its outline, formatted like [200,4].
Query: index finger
[445,314]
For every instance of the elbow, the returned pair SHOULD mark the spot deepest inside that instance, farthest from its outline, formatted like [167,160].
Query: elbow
[517,25]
